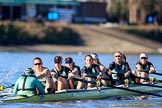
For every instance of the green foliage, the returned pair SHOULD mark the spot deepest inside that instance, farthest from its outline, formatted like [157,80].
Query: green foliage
[149,6]
[63,36]
[155,35]
[12,34]
[120,9]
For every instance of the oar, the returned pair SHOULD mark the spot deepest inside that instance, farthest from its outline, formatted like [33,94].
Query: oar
[150,85]
[122,88]
[80,79]
[4,87]
[142,92]
[157,73]
[83,80]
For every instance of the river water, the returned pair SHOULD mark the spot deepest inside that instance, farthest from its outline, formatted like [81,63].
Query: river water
[12,65]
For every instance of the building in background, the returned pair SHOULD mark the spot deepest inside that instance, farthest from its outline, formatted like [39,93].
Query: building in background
[78,11]
[91,12]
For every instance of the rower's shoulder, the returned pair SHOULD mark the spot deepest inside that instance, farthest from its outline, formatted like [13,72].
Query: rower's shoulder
[149,63]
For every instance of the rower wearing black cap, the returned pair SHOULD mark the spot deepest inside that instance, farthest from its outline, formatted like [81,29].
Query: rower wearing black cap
[60,74]
[75,73]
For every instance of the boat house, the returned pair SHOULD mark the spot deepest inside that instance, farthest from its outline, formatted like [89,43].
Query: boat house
[76,11]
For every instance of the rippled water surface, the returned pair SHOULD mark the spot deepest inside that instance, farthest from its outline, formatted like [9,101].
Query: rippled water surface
[12,66]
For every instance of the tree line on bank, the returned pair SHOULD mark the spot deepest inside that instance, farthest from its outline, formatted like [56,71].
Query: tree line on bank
[29,33]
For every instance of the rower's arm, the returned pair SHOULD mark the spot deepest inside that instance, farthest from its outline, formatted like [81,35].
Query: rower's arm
[39,86]
[138,66]
[152,69]
[44,73]
[84,74]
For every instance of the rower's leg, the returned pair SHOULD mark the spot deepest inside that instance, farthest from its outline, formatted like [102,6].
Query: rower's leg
[55,86]
[59,84]
[89,85]
[71,83]
[49,85]
[79,85]
[65,83]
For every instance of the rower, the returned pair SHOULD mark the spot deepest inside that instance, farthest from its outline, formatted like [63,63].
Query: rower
[103,69]
[60,74]
[90,71]
[75,72]
[28,84]
[119,70]
[43,74]
[143,68]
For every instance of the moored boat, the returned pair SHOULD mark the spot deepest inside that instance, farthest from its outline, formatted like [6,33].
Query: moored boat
[85,94]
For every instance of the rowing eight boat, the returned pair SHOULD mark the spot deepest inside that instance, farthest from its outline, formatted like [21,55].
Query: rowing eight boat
[84,94]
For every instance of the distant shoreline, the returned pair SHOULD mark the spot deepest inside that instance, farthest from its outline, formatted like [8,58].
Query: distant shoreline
[96,38]
[62,49]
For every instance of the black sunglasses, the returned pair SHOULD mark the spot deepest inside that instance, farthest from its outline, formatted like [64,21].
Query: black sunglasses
[143,58]
[57,62]
[37,64]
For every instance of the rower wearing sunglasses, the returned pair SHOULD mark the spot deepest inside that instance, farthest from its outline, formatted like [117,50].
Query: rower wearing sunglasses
[143,68]
[43,75]
[60,74]
[118,70]
[103,69]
